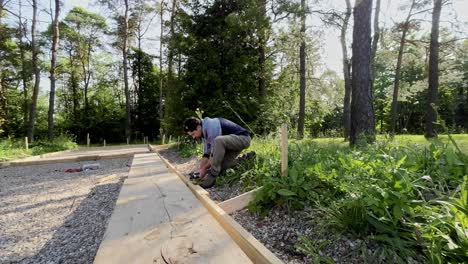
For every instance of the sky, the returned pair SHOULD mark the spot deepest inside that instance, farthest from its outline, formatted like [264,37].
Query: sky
[331,54]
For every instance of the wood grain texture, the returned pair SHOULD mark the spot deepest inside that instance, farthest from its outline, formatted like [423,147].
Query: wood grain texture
[158,220]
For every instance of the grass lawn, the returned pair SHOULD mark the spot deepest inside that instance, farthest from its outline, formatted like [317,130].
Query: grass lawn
[460,139]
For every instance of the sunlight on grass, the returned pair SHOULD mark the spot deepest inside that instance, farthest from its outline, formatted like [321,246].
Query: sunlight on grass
[460,139]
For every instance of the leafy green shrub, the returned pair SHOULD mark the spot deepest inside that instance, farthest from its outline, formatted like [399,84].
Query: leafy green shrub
[446,232]
[15,148]
[62,142]
[189,147]
[350,215]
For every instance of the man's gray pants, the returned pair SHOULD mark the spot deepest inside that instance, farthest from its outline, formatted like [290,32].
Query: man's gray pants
[225,150]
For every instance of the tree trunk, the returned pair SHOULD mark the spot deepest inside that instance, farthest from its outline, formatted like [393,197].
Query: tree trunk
[362,110]
[2,96]
[24,77]
[37,73]
[396,83]
[170,57]
[85,65]
[375,39]
[262,38]
[302,61]
[160,66]
[53,65]
[74,86]
[346,73]
[432,95]
[128,123]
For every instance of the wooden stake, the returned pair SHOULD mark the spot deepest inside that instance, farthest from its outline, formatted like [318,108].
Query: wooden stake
[88,141]
[26,144]
[284,150]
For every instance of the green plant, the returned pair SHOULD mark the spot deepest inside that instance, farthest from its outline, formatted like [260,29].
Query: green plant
[447,230]
[311,250]
[348,215]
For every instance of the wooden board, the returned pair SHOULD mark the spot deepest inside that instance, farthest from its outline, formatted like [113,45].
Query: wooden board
[158,220]
[256,251]
[83,154]
[239,202]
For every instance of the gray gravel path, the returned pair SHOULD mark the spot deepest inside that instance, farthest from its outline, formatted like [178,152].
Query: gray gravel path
[51,216]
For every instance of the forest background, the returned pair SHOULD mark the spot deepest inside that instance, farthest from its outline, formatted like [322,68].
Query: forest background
[133,68]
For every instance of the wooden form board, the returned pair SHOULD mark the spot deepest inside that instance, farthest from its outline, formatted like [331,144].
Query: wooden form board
[256,251]
[158,220]
[239,202]
[82,155]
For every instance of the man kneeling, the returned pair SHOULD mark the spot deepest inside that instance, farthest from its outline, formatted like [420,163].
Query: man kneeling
[222,141]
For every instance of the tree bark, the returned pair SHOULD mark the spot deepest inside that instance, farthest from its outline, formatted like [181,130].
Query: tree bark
[53,66]
[396,83]
[375,39]
[302,62]
[262,39]
[170,57]
[346,73]
[37,73]
[128,122]
[362,110]
[160,66]
[24,77]
[432,94]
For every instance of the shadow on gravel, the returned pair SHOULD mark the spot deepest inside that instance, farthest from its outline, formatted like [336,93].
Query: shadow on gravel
[78,239]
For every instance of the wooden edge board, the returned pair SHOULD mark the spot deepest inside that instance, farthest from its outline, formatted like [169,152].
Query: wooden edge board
[64,160]
[196,189]
[239,202]
[255,250]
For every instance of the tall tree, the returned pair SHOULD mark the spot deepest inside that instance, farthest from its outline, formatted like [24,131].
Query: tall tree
[53,66]
[84,32]
[161,62]
[302,72]
[125,33]
[262,41]
[375,39]
[405,27]
[346,73]
[432,93]
[25,77]
[37,73]
[362,110]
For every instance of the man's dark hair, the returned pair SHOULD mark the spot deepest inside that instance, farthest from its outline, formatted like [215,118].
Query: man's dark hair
[190,124]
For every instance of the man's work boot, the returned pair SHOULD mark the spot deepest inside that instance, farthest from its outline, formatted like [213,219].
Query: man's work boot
[194,175]
[208,181]
[247,156]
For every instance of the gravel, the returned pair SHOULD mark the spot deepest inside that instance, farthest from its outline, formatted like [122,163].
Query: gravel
[51,216]
[280,230]
[218,193]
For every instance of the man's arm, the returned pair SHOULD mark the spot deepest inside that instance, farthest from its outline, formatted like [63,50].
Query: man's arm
[205,165]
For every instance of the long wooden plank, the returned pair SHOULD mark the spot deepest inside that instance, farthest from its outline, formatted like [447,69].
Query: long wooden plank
[158,220]
[255,250]
[239,202]
[85,154]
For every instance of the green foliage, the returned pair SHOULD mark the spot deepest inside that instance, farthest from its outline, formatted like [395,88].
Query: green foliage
[311,250]
[15,148]
[60,143]
[403,196]
[220,43]
[189,148]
